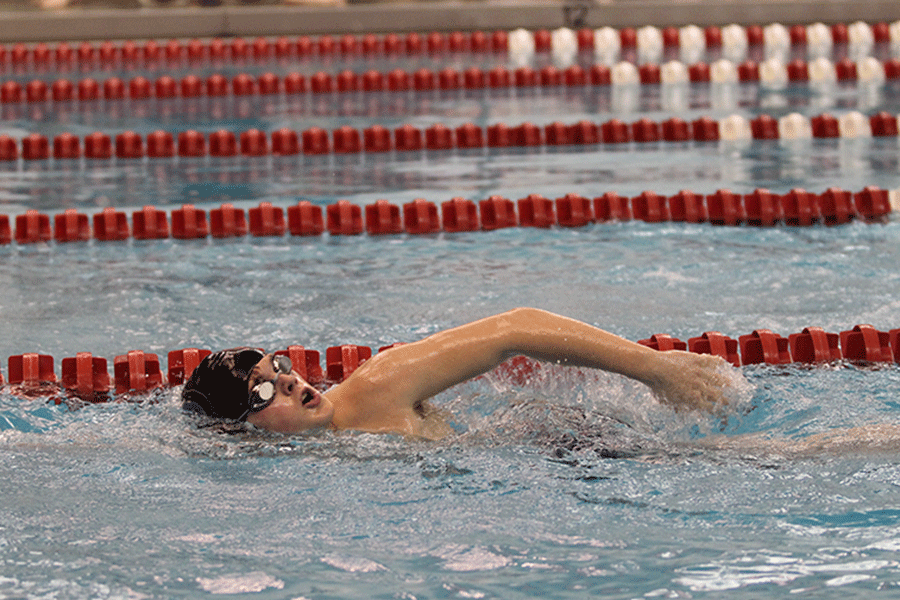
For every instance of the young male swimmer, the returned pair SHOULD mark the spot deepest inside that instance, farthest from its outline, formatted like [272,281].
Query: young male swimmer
[387,393]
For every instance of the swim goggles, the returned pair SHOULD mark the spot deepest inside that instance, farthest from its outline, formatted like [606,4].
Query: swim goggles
[262,394]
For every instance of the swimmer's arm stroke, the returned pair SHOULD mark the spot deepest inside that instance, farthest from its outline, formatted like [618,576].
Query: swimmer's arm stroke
[408,374]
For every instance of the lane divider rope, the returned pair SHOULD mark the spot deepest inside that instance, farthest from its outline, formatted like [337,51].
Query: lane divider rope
[760,208]
[774,73]
[733,41]
[87,377]
[377,139]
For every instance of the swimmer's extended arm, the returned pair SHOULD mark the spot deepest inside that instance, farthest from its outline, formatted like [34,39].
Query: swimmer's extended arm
[411,373]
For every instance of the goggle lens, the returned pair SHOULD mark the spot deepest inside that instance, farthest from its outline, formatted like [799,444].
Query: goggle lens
[263,393]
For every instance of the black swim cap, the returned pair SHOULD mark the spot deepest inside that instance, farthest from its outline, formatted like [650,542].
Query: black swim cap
[218,386]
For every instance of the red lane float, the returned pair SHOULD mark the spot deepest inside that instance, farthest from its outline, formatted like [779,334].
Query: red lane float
[305,362]
[32,227]
[763,346]
[189,223]
[649,207]
[497,212]
[71,226]
[688,207]
[573,210]
[383,218]
[866,343]
[183,362]
[763,208]
[813,345]
[66,146]
[304,219]
[725,208]
[612,207]
[344,218]
[110,225]
[266,220]
[536,211]
[136,371]
[421,217]
[149,224]
[715,343]
[663,342]
[341,361]
[87,376]
[5,231]
[31,369]
[459,214]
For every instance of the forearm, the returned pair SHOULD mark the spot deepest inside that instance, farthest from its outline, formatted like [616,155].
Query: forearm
[553,338]
[458,354]
[683,379]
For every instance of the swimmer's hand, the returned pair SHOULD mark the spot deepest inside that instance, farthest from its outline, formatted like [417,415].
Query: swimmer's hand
[685,380]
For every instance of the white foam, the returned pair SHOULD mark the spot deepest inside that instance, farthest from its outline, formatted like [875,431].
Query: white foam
[255,581]
[461,559]
[353,564]
[890,545]
[847,580]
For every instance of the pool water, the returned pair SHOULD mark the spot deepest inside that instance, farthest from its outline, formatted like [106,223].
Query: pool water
[569,486]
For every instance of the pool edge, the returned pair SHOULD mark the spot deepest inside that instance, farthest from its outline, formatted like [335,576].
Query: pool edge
[75,23]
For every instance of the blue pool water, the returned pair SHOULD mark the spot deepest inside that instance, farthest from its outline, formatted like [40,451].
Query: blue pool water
[126,499]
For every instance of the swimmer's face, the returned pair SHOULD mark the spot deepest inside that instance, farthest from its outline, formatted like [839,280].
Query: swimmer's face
[296,406]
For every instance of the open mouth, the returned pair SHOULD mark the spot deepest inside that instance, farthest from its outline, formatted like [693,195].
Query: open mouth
[309,399]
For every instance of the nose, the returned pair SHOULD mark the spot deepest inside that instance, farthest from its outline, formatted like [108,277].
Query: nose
[287,382]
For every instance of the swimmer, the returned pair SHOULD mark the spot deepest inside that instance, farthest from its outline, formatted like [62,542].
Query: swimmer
[388,393]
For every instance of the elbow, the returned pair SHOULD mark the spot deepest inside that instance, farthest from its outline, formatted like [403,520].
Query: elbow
[518,328]
[524,314]
[525,320]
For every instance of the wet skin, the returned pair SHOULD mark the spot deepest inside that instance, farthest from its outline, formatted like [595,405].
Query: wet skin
[388,393]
